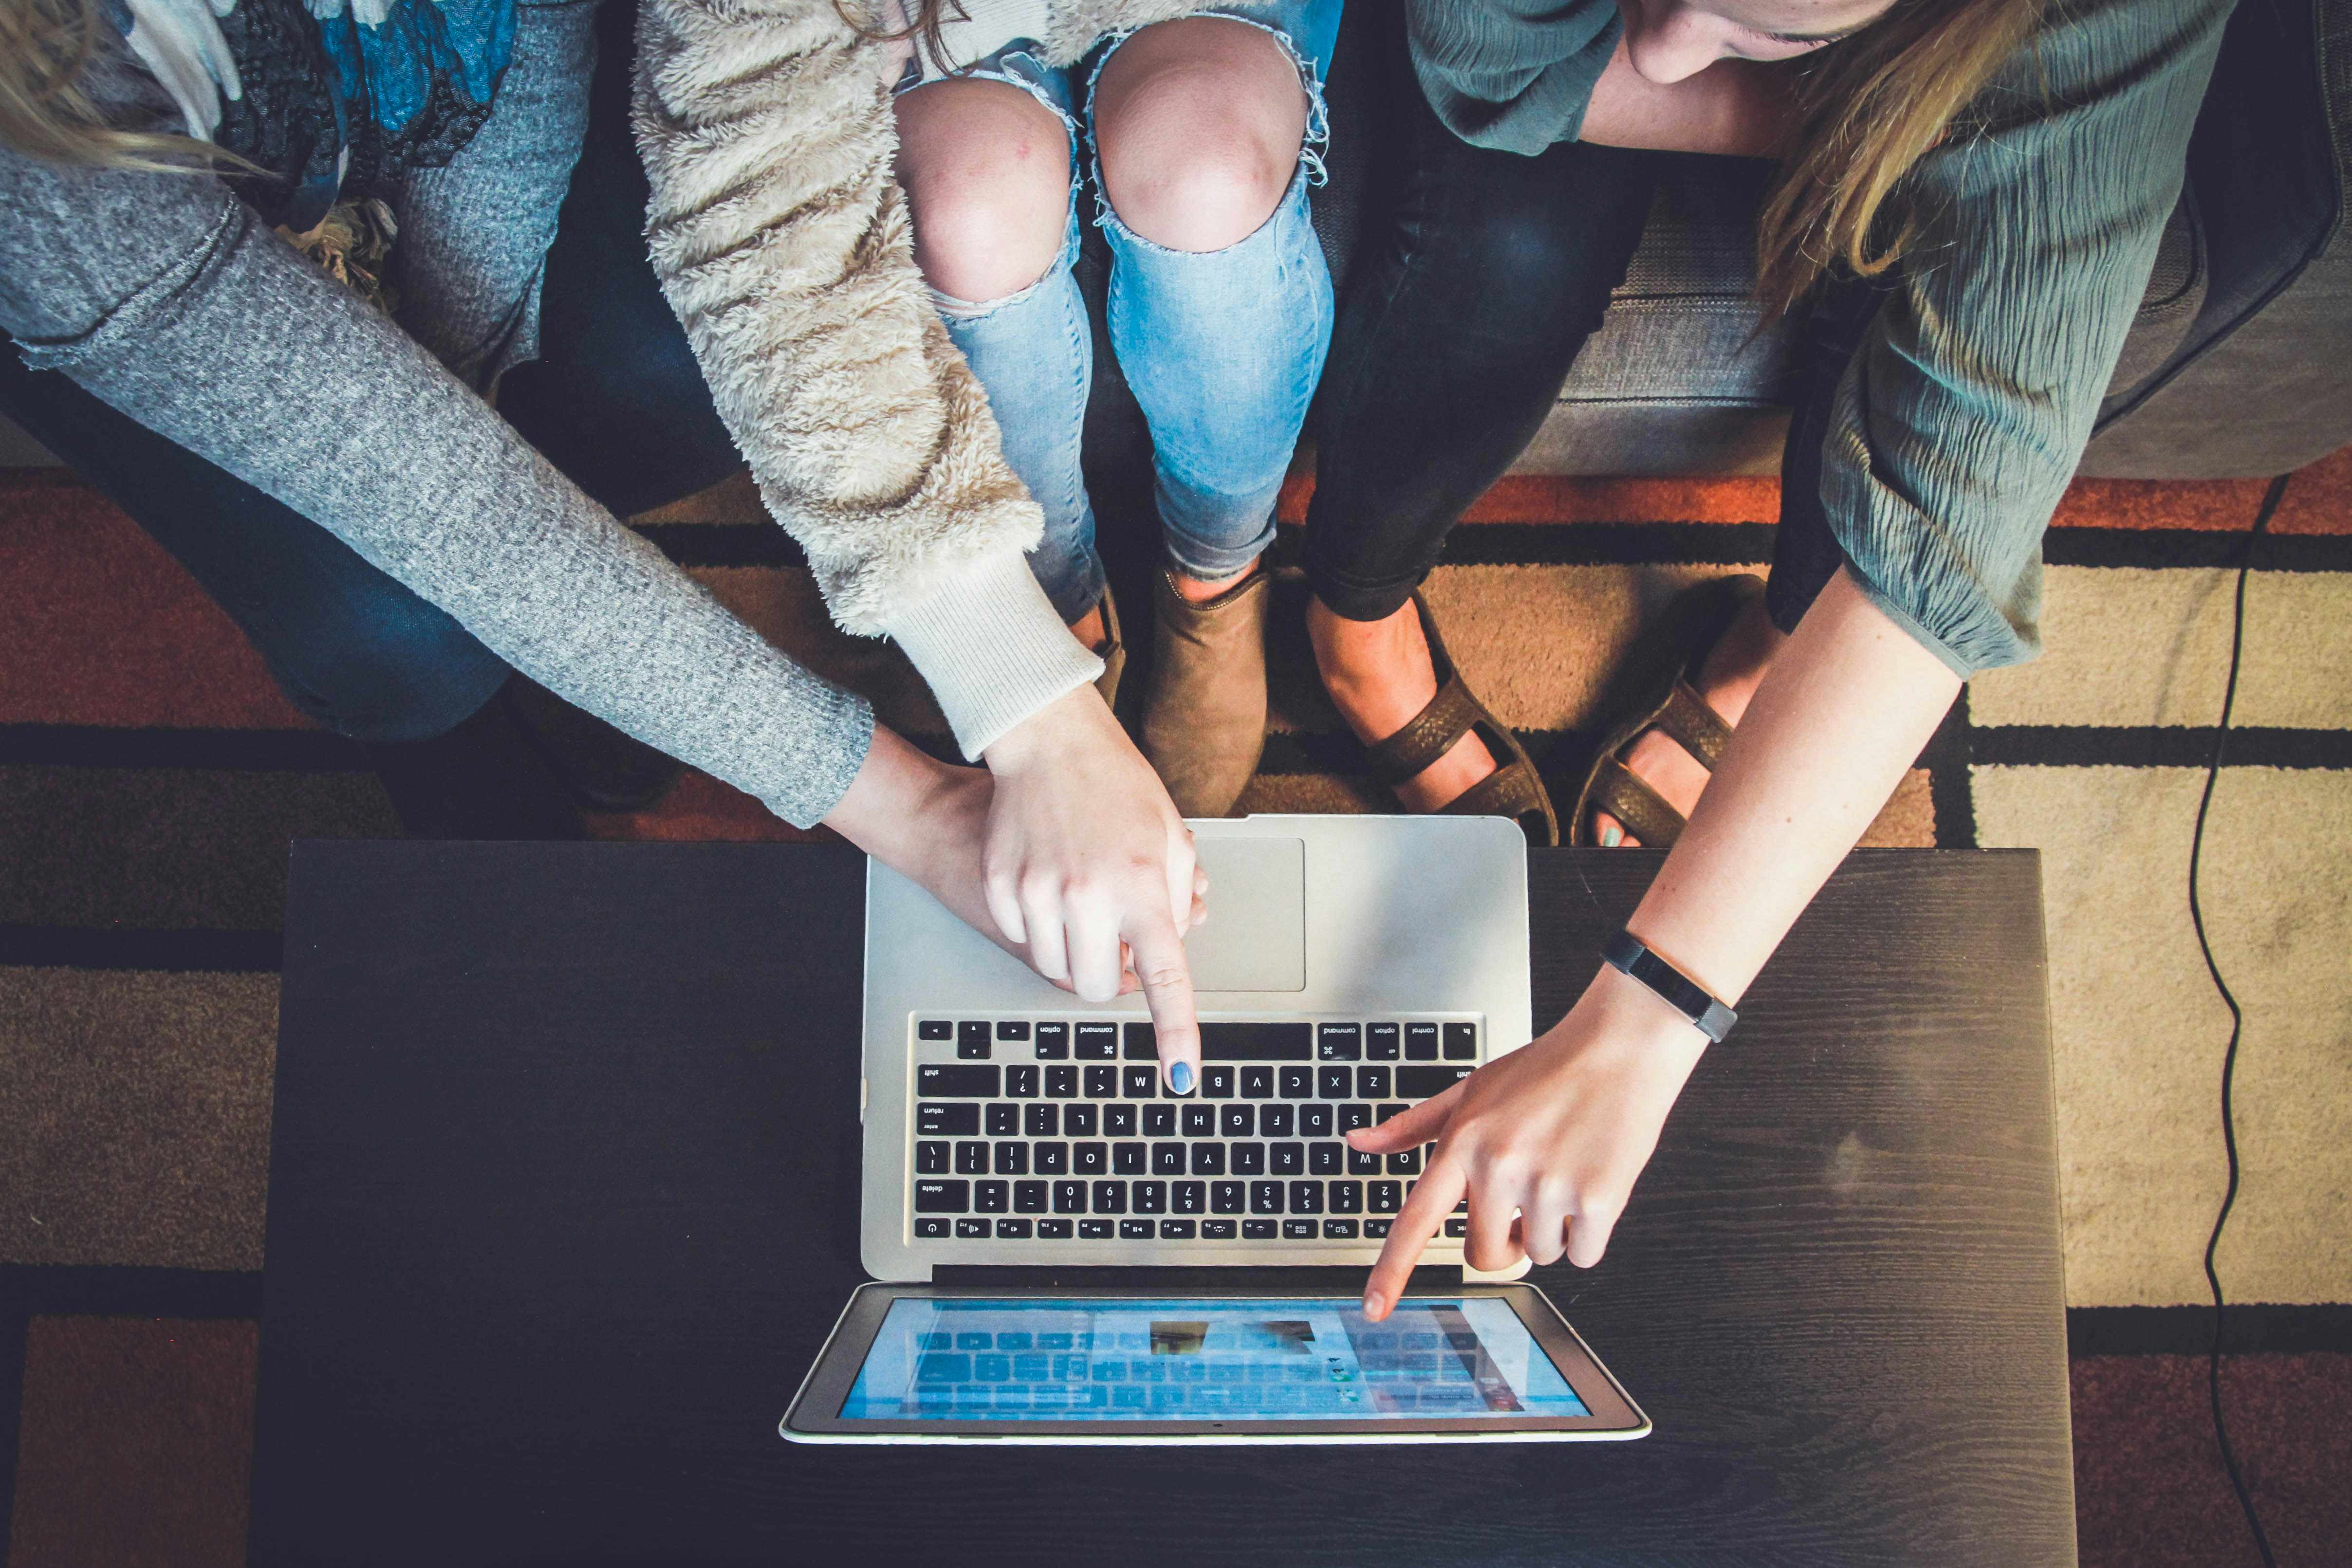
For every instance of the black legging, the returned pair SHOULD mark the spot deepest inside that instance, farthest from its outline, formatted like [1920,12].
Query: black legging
[1457,328]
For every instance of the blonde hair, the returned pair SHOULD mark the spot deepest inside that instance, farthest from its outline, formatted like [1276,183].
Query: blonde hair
[47,50]
[1869,108]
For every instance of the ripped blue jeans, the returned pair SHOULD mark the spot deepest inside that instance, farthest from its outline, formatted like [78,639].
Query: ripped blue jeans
[1221,348]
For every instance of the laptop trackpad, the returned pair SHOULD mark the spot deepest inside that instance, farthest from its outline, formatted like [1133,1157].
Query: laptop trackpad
[1255,937]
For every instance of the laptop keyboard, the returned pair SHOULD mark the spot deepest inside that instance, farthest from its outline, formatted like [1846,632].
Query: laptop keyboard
[1060,1130]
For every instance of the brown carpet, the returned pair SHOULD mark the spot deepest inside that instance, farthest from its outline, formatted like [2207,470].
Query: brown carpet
[150,776]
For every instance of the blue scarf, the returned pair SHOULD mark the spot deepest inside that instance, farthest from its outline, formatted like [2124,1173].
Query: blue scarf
[334,98]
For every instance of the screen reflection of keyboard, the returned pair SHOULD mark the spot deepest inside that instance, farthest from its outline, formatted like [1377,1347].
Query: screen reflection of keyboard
[1057,1129]
[1394,1372]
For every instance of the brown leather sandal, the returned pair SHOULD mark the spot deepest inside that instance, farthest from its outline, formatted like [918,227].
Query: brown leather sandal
[1696,621]
[1514,789]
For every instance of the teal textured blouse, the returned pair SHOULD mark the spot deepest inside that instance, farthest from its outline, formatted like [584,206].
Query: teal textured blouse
[1963,415]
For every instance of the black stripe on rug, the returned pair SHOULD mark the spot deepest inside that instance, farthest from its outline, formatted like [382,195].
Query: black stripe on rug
[113,1291]
[2195,548]
[2254,1328]
[1955,744]
[121,947]
[236,750]
[1634,544]
[2155,746]
[1609,544]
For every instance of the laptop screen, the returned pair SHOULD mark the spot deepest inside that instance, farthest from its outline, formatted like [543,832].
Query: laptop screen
[1265,1358]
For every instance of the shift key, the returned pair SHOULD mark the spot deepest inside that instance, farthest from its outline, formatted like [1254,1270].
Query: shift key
[1414,1083]
[958,1079]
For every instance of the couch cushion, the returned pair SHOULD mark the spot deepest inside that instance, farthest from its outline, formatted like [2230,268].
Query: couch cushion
[1679,379]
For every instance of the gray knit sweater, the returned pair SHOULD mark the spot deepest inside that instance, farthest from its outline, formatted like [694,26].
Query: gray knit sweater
[164,296]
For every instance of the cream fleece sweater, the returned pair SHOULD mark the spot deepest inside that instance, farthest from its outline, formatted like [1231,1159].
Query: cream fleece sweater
[782,241]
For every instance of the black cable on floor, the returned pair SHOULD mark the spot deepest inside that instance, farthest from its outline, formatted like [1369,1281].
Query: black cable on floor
[2237,1019]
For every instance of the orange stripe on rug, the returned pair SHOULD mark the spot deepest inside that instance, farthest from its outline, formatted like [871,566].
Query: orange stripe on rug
[2319,502]
[99,626]
[1553,498]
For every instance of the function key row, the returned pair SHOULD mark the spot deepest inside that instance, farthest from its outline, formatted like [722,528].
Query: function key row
[976,1039]
[934,1228]
[1220,1081]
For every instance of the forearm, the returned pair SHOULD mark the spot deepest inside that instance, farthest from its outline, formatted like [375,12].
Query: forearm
[1737,107]
[217,336]
[925,821]
[782,240]
[1848,703]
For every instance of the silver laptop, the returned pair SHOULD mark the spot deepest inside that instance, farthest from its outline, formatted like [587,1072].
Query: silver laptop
[1352,967]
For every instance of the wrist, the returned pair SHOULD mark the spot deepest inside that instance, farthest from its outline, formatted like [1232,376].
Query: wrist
[987,641]
[1045,736]
[896,789]
[1629,1011]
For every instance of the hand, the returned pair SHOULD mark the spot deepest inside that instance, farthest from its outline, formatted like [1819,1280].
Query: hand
[1088,866]
[1554,1133]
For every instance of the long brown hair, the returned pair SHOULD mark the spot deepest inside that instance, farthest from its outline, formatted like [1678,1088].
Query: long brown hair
[48,48]
[923,23]
[1869,108]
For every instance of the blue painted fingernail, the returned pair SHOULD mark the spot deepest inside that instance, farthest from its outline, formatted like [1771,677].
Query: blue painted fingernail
[1612,837]
[1180,1077]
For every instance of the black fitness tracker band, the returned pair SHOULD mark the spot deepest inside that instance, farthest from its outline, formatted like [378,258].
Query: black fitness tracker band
[1625,953]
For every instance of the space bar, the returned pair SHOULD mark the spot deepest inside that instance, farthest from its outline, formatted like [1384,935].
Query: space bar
[1257,1042]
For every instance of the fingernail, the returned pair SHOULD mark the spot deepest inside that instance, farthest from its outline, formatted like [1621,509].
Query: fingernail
[1610,837]
[1372,1303]
[1180,1077]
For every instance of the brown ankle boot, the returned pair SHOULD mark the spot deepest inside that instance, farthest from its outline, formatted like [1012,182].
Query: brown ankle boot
[1204,716]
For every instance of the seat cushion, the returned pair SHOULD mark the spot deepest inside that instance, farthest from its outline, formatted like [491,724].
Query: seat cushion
[1683,377]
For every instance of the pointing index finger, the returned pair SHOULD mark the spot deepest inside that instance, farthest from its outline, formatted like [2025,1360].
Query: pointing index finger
[1433,1198]
[1167,982]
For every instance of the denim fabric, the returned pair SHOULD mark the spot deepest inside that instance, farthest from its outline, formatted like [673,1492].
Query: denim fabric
[1222,349]
[1461,322]
[349,646]
[615,399]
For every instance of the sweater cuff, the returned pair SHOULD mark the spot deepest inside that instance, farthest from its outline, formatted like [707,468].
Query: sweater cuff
[991,648]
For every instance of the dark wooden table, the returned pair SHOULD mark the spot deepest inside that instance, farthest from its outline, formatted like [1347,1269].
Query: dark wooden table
[563,1200]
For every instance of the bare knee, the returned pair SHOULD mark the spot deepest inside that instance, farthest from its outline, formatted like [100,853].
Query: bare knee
[1199,122]
[986,169]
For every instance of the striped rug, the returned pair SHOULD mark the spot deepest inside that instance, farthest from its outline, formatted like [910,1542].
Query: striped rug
[151,778]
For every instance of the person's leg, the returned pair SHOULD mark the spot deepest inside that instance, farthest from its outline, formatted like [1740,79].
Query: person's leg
[1450,351]
[479,236]
[1207,131]
[474,232]
[985,160]
[614,399]
[354,650]
[1805,554]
